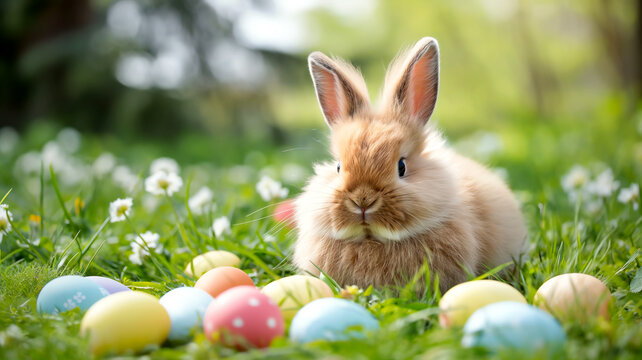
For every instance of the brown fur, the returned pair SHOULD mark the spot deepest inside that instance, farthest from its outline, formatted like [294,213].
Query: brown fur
[447,209]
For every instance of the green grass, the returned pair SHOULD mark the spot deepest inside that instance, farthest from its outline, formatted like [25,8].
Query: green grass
[74,238]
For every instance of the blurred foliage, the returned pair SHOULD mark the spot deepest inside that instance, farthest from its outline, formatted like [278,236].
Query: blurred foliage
[504,63]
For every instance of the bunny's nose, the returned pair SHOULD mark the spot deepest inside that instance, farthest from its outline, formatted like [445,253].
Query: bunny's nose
[363,206]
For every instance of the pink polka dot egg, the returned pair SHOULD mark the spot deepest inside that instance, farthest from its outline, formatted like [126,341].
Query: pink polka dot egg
[243,317]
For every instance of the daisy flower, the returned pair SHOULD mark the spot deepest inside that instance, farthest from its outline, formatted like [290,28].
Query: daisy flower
[604,184]
[120,208]
[627,195]
[199,202]
[139,247]
[104,164]
[5,218]
[270,189]
[124,177]
[575,179]
[164,164]
[221,226]
[160,182]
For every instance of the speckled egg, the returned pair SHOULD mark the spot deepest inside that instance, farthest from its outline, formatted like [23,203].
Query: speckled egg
[186,308]
[69,292]
[210,260]
[128,321]
[284,212]
[243,317]
[293,292]
[222,278]
[111,285]
[574,297]
[515,326]
[462,300]
[331,319]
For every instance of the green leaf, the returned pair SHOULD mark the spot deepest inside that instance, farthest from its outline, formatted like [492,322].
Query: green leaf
[636,283]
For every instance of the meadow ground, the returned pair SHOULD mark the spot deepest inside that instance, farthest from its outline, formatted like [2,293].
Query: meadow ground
[575,184]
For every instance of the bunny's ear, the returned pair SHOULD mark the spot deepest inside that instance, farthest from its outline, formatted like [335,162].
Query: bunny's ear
[340,88]
[415,91]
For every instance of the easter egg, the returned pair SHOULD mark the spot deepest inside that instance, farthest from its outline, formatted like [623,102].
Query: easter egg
[462,300]
[243,317]
[292,292]
[111,285]
[69,292]
[574,297]
[186,308]
[331,319]
[210,260]
[222,278]
[284,212]
[515,326]
[127,321]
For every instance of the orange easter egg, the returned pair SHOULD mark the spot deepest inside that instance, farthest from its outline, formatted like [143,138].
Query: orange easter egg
[222,278]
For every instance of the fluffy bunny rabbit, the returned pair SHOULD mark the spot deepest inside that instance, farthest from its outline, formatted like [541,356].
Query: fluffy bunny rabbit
[396,196]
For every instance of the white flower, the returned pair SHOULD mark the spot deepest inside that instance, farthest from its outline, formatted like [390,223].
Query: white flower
[5,217]
[604,184]
[221,226]
[627,195]
[161,182]
[293,173]
[199,202]
[104,164]
[27,164]
[164,164]
[8,140]
[120,208]
[575,179]
[270,189]
[139,247]
[593,207]
[69,139]
[124,177]
[138,253]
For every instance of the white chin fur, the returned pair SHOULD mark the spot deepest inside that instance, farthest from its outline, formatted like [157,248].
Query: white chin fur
[357,232]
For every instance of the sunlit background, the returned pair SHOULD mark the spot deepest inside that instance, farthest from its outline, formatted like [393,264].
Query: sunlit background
[184,72]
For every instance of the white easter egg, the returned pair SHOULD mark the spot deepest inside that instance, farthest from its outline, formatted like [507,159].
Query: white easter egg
[574,297]
[186,308]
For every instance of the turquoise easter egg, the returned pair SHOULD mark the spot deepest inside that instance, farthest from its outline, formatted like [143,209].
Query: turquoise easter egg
[331,319]
[186,308]
[514,326]
[67,293]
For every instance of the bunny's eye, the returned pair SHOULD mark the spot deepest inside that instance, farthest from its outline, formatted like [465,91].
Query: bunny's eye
[338,166]
[401,167]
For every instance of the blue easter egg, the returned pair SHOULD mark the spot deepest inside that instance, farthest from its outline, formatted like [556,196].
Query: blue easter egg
[515,326]
[186,307]
[331,319]
[67,293]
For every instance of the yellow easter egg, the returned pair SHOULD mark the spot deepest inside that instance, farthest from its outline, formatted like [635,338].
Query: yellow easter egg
[292,292]
[463,300]
[128,321]
[210,260]
[574,297]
